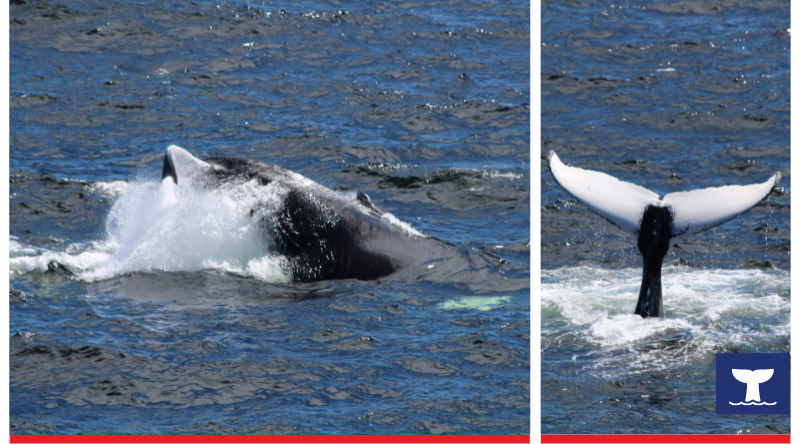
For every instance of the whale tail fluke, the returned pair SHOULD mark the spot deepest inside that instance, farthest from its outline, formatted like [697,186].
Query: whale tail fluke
[656,220]
[620,202]
[698,210]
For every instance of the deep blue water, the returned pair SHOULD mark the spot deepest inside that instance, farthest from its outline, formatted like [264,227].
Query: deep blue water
[423,107]
[672,96]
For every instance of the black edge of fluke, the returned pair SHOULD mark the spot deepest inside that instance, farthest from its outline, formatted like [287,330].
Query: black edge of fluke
[168,170]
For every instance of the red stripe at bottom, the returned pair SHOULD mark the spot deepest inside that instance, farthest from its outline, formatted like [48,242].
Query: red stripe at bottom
[202,439]
[552,439]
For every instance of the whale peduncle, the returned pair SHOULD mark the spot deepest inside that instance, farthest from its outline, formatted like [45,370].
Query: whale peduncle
[653,242]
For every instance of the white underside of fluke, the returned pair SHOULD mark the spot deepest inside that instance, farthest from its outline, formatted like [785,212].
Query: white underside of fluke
[623,203]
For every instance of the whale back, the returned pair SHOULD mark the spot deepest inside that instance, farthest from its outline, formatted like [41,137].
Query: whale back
[323,234]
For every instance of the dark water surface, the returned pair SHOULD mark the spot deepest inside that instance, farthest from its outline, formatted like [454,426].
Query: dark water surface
[425,107]
[673,96]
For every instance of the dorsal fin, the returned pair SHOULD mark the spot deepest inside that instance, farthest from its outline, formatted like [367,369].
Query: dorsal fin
[364,200]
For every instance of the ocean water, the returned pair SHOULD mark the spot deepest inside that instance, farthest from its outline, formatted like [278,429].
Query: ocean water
[138,307]
[672,96]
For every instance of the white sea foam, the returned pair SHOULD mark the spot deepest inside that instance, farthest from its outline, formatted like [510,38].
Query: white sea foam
[111,188]
[164,226]
[392,220]
[705,310]
[187,227]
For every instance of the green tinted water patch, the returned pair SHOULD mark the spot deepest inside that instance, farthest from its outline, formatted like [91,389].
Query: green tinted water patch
[482,303]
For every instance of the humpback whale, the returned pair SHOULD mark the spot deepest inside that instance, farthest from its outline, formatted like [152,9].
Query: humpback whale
[322,234]
[655,221]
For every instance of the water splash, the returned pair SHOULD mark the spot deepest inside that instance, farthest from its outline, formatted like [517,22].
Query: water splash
[588,312]
[169,227]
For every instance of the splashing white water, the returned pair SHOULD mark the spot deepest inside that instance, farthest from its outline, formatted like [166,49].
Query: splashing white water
[169,227]
[589,311]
